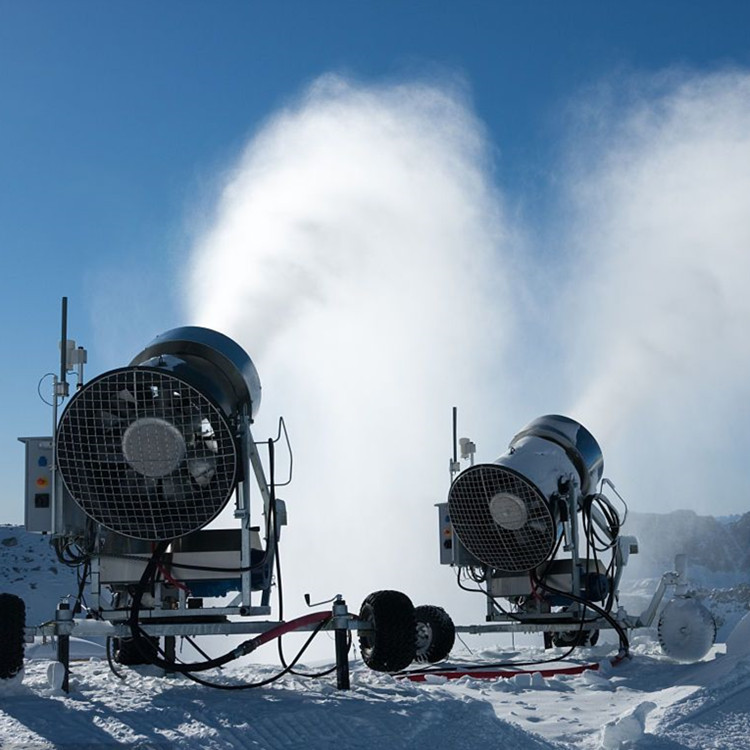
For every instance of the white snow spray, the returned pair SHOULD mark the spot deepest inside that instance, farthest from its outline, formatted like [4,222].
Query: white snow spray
[660,341]
[361,253]
[356,256]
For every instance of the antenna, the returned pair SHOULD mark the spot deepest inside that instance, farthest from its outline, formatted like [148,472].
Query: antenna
[61,387]
[454,465]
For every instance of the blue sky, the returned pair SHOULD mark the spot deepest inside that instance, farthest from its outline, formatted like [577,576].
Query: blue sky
[117,121]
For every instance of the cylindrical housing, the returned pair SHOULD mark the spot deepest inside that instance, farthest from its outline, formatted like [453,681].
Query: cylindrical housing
[211,361]
[152,450]
[578,443]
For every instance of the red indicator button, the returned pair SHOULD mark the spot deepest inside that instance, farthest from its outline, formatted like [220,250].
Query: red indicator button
[42,482]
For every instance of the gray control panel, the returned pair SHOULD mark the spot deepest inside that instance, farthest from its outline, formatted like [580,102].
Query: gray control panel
[452,552]
[38,515]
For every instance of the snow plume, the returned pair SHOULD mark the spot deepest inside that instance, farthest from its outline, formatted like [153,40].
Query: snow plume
[660,346]
[361,254]
[355,255]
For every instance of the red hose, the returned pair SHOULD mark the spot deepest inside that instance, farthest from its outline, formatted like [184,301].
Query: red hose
[283,629]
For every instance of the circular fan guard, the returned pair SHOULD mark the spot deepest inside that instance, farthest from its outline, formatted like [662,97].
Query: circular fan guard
[146,454]
[501,518]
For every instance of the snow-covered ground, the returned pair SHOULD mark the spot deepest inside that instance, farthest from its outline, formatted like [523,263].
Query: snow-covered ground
[645,702]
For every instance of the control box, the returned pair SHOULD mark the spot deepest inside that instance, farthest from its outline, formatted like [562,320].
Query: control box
[38,504]
[38,515]
[452,552]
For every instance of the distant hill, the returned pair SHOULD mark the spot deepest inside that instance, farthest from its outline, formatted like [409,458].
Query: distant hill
[720,546]
[718,552]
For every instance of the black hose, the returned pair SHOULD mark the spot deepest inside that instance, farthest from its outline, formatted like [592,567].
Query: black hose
[288,668]
[187,669]
[109,647]
[261,683]
[139,635]
[624,643]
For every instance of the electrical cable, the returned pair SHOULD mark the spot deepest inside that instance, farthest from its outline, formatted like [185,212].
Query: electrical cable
[39,389]
[139,635]
[82,577]
[109,646]
[197,647]
[268,680]
[624,643]
[495,665]
[613,520]
[279,580]
[321,619]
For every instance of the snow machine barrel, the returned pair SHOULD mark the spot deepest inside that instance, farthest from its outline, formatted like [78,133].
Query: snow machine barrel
[506,513]
[218,366]
[151,451]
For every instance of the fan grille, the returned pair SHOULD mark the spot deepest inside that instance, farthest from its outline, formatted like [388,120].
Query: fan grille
[146,454]
[501,518]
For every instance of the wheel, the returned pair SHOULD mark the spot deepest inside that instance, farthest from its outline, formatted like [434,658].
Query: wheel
[129,653]
[686,629]
[12,644]
[389,644]
[435,633]
[569,638]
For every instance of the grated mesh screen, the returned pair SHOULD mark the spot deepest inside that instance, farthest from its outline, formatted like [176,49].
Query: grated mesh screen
[146,454]
[501,518]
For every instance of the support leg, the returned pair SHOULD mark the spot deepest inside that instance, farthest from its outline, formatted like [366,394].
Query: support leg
[342,659]
[341,637]
[64,617]
[63,656]
[170,650]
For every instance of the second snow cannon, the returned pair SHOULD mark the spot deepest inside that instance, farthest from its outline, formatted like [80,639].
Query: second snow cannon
[535,534]
[506,513]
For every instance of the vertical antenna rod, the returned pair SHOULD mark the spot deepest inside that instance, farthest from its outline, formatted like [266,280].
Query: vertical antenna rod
[64,349]
[59,393]
[455,434]
[455,467]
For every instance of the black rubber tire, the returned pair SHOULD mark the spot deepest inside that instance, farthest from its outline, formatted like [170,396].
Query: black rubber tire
[12,643]
[436,633]
[130,654]
[568,638]
[390,644]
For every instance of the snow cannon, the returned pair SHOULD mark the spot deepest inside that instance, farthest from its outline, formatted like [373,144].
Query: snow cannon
[140,469]
[534,532]
[152,451]
[507,513]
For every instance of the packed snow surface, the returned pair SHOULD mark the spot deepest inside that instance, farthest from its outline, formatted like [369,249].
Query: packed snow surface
[646,702]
